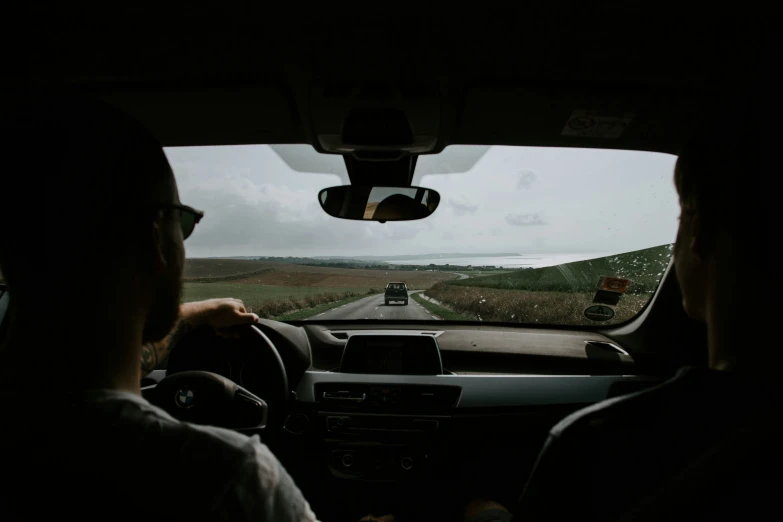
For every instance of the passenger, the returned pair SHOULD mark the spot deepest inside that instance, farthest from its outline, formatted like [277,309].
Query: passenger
[705,442]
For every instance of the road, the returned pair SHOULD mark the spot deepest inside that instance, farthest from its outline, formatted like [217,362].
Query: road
[372,307]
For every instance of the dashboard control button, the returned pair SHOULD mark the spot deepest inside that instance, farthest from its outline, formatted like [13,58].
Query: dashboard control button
[338,424]
[347,460]
[406,463]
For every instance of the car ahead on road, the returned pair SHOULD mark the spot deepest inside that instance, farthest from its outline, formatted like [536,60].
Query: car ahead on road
[396,292]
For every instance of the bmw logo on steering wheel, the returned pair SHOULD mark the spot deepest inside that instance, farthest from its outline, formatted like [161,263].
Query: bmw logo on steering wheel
[184,398]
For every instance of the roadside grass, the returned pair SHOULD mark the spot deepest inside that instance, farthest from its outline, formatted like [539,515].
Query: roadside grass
[257,293]
[310,312]
[440,311]
[270,301]
[528,307]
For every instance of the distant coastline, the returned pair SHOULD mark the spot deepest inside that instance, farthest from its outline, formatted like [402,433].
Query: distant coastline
[407,257]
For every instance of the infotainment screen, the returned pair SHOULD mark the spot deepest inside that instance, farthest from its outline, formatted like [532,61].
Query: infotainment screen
[392,355]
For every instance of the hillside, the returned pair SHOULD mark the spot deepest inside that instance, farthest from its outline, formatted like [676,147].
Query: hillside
[197,268]
[643,267]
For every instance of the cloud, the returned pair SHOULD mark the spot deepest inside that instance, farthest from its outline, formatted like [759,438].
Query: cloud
[524,220]
[256,205]
[246,218]
[462,206]
[263,219]
[526,179]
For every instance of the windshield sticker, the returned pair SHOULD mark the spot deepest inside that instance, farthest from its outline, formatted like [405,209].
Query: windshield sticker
[599,313]
[593,124]
[610,290]
[613,284]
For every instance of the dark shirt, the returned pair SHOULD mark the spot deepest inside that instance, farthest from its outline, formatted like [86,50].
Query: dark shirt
[111,455]
[703,441]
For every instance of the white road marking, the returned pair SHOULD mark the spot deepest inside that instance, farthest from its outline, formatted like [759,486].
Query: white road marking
[322,313]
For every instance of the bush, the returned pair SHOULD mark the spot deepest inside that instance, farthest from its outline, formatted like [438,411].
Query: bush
[275,307]
[556,308]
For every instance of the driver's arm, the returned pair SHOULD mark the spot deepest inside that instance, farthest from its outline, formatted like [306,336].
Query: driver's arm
[218,313]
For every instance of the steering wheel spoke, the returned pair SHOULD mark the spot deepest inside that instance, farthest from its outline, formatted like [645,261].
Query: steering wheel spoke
[204,397]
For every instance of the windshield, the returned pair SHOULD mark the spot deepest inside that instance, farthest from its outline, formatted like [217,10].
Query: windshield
[529,235]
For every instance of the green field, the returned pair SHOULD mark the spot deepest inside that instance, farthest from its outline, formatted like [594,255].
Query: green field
[643,267]
[252,294]
[209,267]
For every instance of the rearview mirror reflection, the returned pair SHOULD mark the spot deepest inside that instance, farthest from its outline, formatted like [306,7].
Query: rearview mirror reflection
[382,204]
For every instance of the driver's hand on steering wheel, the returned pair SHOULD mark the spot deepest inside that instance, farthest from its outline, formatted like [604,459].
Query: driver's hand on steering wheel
[221,314]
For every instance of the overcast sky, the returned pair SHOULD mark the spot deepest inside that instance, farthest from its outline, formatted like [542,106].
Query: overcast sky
[508,199]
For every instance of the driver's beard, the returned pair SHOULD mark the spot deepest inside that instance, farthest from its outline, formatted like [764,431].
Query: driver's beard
[164,312]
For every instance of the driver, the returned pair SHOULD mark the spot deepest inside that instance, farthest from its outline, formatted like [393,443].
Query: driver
[91,247]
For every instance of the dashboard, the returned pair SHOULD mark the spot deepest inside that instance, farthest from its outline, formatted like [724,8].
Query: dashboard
[400,403]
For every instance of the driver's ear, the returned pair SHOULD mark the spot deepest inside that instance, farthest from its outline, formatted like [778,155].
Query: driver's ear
[159,261]
[699,245]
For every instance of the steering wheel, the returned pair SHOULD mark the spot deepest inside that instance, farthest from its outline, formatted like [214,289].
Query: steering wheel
[193,395]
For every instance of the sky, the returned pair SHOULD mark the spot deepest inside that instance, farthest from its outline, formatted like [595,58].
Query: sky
[525,200]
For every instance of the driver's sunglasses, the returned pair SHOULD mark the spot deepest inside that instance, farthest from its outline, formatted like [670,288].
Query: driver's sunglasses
[188,217]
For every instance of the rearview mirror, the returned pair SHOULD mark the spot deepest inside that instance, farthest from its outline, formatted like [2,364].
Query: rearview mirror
[379,203]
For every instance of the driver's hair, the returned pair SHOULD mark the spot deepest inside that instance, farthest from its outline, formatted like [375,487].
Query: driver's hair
[75,176]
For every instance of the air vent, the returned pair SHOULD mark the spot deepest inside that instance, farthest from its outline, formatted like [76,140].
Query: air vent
[607,346]
[429,333]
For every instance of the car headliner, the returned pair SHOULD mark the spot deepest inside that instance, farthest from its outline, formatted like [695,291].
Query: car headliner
[490,76]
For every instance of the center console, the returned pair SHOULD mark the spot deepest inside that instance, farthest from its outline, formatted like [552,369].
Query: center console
[384,430]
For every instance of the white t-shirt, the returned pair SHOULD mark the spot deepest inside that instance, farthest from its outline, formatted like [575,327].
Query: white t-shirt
[112,455]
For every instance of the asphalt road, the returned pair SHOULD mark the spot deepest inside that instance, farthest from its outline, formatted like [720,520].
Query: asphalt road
[372,307]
